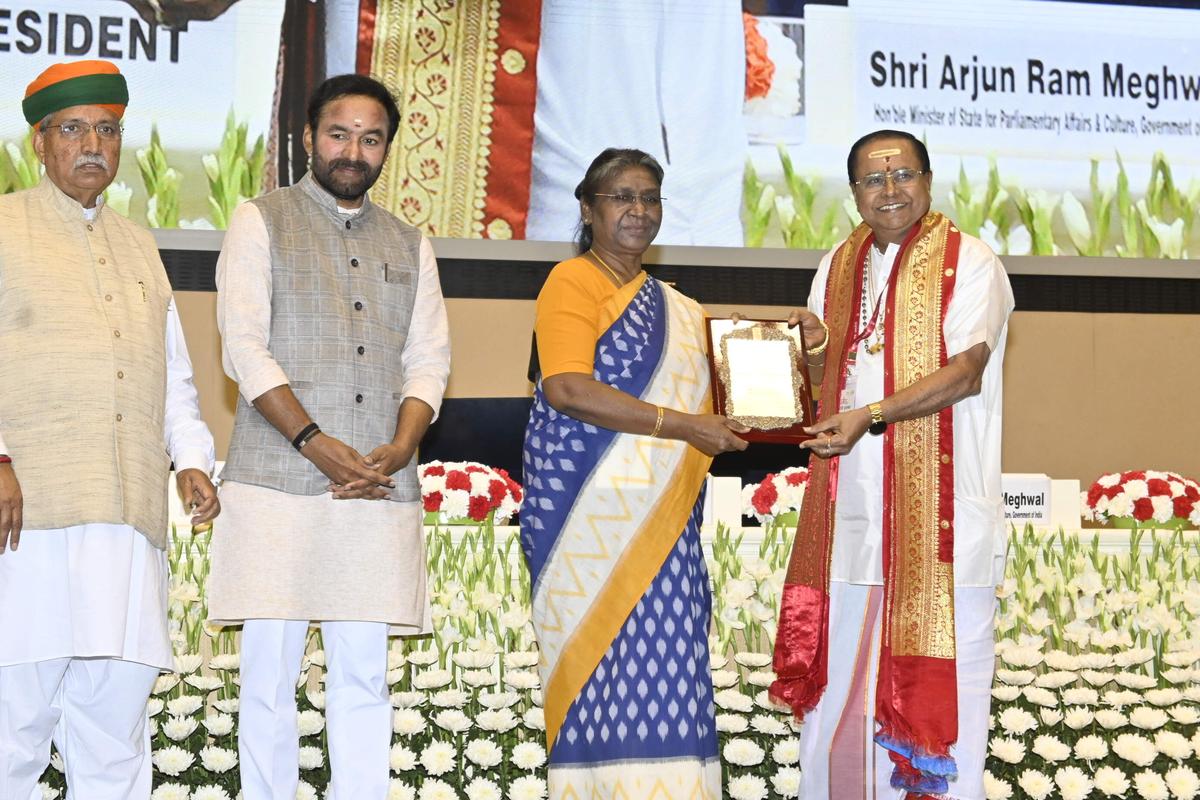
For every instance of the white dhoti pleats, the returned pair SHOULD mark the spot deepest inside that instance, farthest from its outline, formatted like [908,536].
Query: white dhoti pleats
[837,747]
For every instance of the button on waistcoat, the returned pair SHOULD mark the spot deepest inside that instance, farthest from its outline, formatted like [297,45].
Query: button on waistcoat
[343,289]
[83,315]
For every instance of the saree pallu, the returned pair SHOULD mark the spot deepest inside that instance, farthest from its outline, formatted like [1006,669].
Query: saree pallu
[610,529]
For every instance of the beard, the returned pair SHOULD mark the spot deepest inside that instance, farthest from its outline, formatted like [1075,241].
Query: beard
[348,187]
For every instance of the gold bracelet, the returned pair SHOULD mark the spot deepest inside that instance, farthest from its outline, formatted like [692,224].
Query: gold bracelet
[657,423]
[816,351]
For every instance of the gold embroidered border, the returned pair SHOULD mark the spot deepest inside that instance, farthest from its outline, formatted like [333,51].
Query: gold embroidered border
[922,619]
[440,59]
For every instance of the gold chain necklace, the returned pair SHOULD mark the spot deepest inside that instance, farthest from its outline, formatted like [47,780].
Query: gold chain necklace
[604,264]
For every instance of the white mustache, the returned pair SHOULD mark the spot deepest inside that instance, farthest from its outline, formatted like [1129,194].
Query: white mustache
[92,158]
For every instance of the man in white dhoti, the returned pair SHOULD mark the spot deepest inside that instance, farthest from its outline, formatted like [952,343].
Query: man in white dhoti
[886,626]
[96,401]
[335,329]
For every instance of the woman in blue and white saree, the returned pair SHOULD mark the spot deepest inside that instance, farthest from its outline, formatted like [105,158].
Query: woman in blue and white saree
[619,441]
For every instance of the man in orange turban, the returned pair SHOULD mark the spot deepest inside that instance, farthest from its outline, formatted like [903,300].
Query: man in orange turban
[96,401]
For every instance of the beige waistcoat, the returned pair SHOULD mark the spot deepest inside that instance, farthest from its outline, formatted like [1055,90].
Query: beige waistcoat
[83,309]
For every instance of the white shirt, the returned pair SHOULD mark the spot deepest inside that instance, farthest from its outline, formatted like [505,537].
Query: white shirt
[978,312]
[100,590]
[244,316]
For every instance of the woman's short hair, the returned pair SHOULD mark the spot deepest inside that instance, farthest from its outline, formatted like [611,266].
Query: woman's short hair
[603,167]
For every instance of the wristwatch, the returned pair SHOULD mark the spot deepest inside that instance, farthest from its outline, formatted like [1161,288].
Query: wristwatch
[877,425]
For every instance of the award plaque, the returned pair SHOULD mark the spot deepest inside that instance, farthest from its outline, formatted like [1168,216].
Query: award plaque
[760,378]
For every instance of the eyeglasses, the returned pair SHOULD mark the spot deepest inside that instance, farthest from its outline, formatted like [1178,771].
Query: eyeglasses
[77,130]
[625,200]
[900,177]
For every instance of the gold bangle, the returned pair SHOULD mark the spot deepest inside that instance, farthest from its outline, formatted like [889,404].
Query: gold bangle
[816,351]
[657,423]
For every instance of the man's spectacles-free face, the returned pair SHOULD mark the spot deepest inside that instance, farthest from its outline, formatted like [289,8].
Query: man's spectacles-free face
[877,180]
[78,130]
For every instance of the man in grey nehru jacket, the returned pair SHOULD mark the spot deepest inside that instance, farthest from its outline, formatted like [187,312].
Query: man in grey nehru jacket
[335,330]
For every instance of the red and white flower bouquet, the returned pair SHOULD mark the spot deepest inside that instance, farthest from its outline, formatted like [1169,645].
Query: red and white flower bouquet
[1143,499]
[466,492]
[779,493]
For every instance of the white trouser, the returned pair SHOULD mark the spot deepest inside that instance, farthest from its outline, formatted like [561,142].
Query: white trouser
[358,710]
[94,709]
[974,630]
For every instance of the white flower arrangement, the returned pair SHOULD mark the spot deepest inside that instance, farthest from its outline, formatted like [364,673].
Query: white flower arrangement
[777,493]
[465,490]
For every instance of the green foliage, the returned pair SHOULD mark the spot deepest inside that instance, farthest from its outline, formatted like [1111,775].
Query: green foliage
[799,224]
[20,167]
[758,198]
[234,173]
[162,184]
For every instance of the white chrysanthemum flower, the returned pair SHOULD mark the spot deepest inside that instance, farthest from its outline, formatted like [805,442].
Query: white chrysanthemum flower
[1040,697]
[449,698]
[408,699]
[731,723]
[408,722]
[534,719]
[1111,719]
[733,700]
[228,705]
[1078,718]
[1056,679]
[1173,745]
[452,720]
[786,782]
[1006,694]
[1050,717]
[522,679]
[528,755]
[48,792]
[742,752]
[401,759]
[205,683]
[478,677]
[747,787]
[210,792]
[1135,680]
[1050,748]
[225,662]
[497,700]
[432,679]
[1015,677]
[786,752]
[1133,656]
[311,757]
[1120,699]
[172,760]
[1016,720]
[1183,782]
[177,728]
[438,758]
[499,720]
[1151,786]
[1094,660]
[184,706]
[1185,715]
[1181,658]
[996,788]
[482,789]
[1135,749]
[484,753]
[1163,697]
[219,724]
[522,660]
[724,678]
[1036,784]
[306,791]
[474,660]
[218,759]
[761,678]
[168,791]
[763,700]
[1148,718]
[434,789]
[1177,675]
[399,790]
[1095,677]
[1111,782]
[1023,657]
[422,657]
[1091,748]
[527,787]
[1073,783]
[771,726]
[1010,751]
[753,660]
[187,663]
[1080,696]
[155,706]
[309,722]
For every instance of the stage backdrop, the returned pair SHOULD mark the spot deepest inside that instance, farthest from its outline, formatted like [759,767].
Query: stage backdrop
[1053,126]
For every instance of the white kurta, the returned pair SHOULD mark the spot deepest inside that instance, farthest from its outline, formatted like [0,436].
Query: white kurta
[100,590]
[978,312]
[284,556]
[664,76]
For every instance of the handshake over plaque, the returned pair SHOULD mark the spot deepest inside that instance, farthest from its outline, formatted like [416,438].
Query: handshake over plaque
[760,377]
